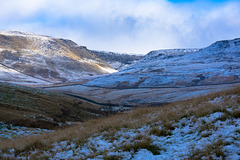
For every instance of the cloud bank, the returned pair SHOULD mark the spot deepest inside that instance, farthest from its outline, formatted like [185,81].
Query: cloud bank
[135,26]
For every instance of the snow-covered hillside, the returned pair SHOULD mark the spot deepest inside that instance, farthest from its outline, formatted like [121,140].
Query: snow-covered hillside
[50,59]
[216,64]
[154,55]
[10,75]
[118,61]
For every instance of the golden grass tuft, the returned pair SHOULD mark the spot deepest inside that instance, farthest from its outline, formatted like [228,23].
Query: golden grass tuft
[209,150]
[160,132]
[143,143]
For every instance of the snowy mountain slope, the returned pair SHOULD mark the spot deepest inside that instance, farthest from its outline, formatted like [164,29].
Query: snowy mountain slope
[47,58]
[166,53]
[10,75]
[216,64]
[118,61]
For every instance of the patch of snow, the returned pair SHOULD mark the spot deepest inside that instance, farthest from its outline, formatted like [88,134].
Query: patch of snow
[217,100]
[107,69]
[11,132]
[8,74]
[144,154]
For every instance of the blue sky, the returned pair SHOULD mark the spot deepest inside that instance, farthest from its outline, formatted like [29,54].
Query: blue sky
[129,26]
[190,1]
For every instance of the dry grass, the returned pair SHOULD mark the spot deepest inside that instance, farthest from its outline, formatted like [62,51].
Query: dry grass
[133,119]
[214,148]
[160,132]
[144,143]
[31,107]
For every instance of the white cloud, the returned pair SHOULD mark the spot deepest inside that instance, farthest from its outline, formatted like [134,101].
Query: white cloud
[125,26]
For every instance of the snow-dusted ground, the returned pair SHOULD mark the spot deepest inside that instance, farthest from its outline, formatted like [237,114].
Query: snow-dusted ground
[13,76]
[118,65]
[141,95]
[118,61]
[184,140]
[215,135]
[11,132]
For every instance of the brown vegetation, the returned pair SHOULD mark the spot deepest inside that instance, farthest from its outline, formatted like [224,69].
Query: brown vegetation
[137,118]
[31,107]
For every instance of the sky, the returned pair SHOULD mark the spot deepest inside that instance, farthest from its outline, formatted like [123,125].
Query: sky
[126,26]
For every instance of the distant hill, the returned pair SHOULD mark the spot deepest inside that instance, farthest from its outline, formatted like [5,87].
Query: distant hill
[217,64]
[31,58]
[118,61]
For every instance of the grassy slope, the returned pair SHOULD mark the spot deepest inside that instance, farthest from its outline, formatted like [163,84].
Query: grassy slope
[31,107]
[196,107]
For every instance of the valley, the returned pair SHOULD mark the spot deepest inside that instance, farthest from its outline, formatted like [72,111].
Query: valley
[60,100]
[140,96]
[164,76]
[114,79]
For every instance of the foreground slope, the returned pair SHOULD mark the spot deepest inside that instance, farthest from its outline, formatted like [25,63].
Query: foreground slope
[201,128]
[48,59]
